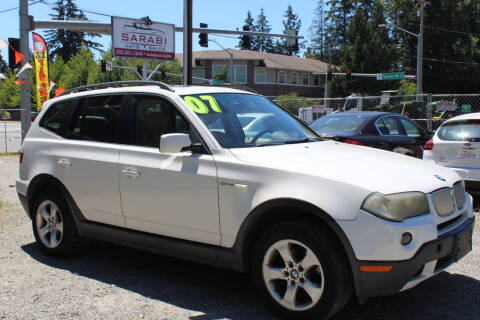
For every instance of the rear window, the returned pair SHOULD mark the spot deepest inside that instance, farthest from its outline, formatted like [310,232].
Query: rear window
[339,124]
[55,115]
[467,130]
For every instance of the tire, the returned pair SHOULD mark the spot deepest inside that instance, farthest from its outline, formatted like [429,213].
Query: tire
[53,225]
[315,281]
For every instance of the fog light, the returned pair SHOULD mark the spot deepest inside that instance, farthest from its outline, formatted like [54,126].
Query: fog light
[406,238]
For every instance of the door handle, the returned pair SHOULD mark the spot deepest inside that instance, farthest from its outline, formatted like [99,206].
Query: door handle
[64,163]
[131,173]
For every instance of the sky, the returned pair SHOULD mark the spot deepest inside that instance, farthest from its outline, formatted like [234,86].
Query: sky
[218,14]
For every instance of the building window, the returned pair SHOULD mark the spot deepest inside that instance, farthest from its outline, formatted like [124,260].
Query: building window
[306,79]
[316,80]
[198,73]
[294,78]
[240,74]
[282,75]
[260,76]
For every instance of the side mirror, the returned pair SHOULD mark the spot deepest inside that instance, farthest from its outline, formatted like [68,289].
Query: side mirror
[174,142]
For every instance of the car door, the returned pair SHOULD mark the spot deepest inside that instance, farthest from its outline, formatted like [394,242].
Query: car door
[392,134]
[86,160]
[416,137]
[174,195]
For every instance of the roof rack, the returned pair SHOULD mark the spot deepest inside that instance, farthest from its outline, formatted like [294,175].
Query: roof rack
[119,84]
[235,86]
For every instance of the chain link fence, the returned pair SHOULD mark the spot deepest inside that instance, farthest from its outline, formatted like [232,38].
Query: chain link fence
[10,131]
[429,112]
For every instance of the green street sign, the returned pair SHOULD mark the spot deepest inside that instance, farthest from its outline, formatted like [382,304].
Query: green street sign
[391,76]
[466,108]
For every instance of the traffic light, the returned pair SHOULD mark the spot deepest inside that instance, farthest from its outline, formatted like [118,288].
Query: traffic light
[203,36]
[14,44]
[140,70]
[329,75]
[246,40]
[349,75]
[103,66]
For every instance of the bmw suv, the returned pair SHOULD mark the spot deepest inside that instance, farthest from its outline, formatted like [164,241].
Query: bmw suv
[179,171]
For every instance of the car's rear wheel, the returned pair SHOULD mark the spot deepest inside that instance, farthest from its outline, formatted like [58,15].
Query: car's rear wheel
[300,271]
[53,225]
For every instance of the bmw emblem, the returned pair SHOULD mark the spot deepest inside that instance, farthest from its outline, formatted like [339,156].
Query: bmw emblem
[440,178]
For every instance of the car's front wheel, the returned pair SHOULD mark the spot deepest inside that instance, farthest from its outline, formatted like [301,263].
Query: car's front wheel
[301,271]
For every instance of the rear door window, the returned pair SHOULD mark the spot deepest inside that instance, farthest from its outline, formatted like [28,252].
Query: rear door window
[390,126]
[96,119]
[55,116]
[411,128]
[466,130]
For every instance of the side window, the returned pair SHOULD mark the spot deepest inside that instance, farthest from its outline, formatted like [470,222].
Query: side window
[154,117]
[389,126]
[95,119]
[55,115]
[411,128]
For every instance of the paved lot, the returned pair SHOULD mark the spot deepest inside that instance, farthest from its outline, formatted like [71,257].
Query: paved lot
[13,134]
[112,282]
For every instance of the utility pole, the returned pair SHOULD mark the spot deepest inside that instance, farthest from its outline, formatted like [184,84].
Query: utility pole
[187,42]
[327,85]
[420,53]
[25,106]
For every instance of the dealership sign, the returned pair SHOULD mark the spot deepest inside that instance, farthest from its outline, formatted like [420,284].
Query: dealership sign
[137,39]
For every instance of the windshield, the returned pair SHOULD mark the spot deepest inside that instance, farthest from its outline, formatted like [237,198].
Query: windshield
[340,123]
[467,130]
[244,120]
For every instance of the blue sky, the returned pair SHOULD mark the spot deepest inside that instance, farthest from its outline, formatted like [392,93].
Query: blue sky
[219,14]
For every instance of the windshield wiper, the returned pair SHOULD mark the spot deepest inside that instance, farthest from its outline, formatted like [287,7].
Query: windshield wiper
[298,141]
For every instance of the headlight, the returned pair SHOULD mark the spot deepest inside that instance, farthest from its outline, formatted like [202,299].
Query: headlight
[397,206]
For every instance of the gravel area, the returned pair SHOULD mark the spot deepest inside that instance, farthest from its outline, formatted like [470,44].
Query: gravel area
[111,282]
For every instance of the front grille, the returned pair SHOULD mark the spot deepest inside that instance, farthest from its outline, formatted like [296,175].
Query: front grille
[443,202]
[459,192]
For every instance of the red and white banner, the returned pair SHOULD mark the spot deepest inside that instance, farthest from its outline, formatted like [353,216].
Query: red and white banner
[136,39]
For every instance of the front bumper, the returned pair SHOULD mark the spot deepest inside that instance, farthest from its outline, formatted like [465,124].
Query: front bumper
[432,257]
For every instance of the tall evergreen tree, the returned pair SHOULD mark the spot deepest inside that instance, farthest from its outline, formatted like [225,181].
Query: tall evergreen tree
[263,44]
[317,47]
[246,42]
[291,22]
[66,43]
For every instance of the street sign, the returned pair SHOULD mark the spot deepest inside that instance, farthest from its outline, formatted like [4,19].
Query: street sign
[320,108]
[391,76]
[466,108]
[446,106]
[141,38]
[109,65]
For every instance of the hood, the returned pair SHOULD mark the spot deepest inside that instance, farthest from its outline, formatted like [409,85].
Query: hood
[368,168]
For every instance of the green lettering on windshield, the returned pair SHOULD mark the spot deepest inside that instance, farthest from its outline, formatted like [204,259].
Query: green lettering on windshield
[213,103]
[197,105]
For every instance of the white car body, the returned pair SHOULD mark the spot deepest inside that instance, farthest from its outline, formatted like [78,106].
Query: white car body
[208,199]
[460,156]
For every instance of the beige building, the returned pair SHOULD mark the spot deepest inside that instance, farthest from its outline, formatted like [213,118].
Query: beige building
[267,73]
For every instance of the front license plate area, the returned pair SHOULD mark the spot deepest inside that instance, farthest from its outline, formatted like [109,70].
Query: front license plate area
[463,244]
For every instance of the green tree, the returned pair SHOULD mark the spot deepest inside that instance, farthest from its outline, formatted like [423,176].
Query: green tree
[318,48]
[262,44]
[9,93]
[291,22]
[246,42]
[80,70]
[222,75]
[65,43]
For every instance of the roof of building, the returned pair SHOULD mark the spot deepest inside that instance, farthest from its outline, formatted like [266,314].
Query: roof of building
[271,60]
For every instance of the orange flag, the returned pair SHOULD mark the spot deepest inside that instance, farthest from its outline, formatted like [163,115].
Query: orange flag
[59,91]
[18,57]
[19,82]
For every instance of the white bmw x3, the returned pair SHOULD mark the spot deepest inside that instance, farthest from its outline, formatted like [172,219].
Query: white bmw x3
[228,178]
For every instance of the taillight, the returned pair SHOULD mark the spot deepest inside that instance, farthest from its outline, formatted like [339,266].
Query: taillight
[355,142]
[21,157]
[428,145]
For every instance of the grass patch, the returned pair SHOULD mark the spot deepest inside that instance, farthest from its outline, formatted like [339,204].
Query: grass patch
[9,154]
[1,203]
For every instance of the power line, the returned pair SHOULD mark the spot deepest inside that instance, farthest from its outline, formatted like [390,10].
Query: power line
[450,61]
[31,3]
[454,31]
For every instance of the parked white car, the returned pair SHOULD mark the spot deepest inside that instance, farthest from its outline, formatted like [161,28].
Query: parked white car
[456,145]
[171,170]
